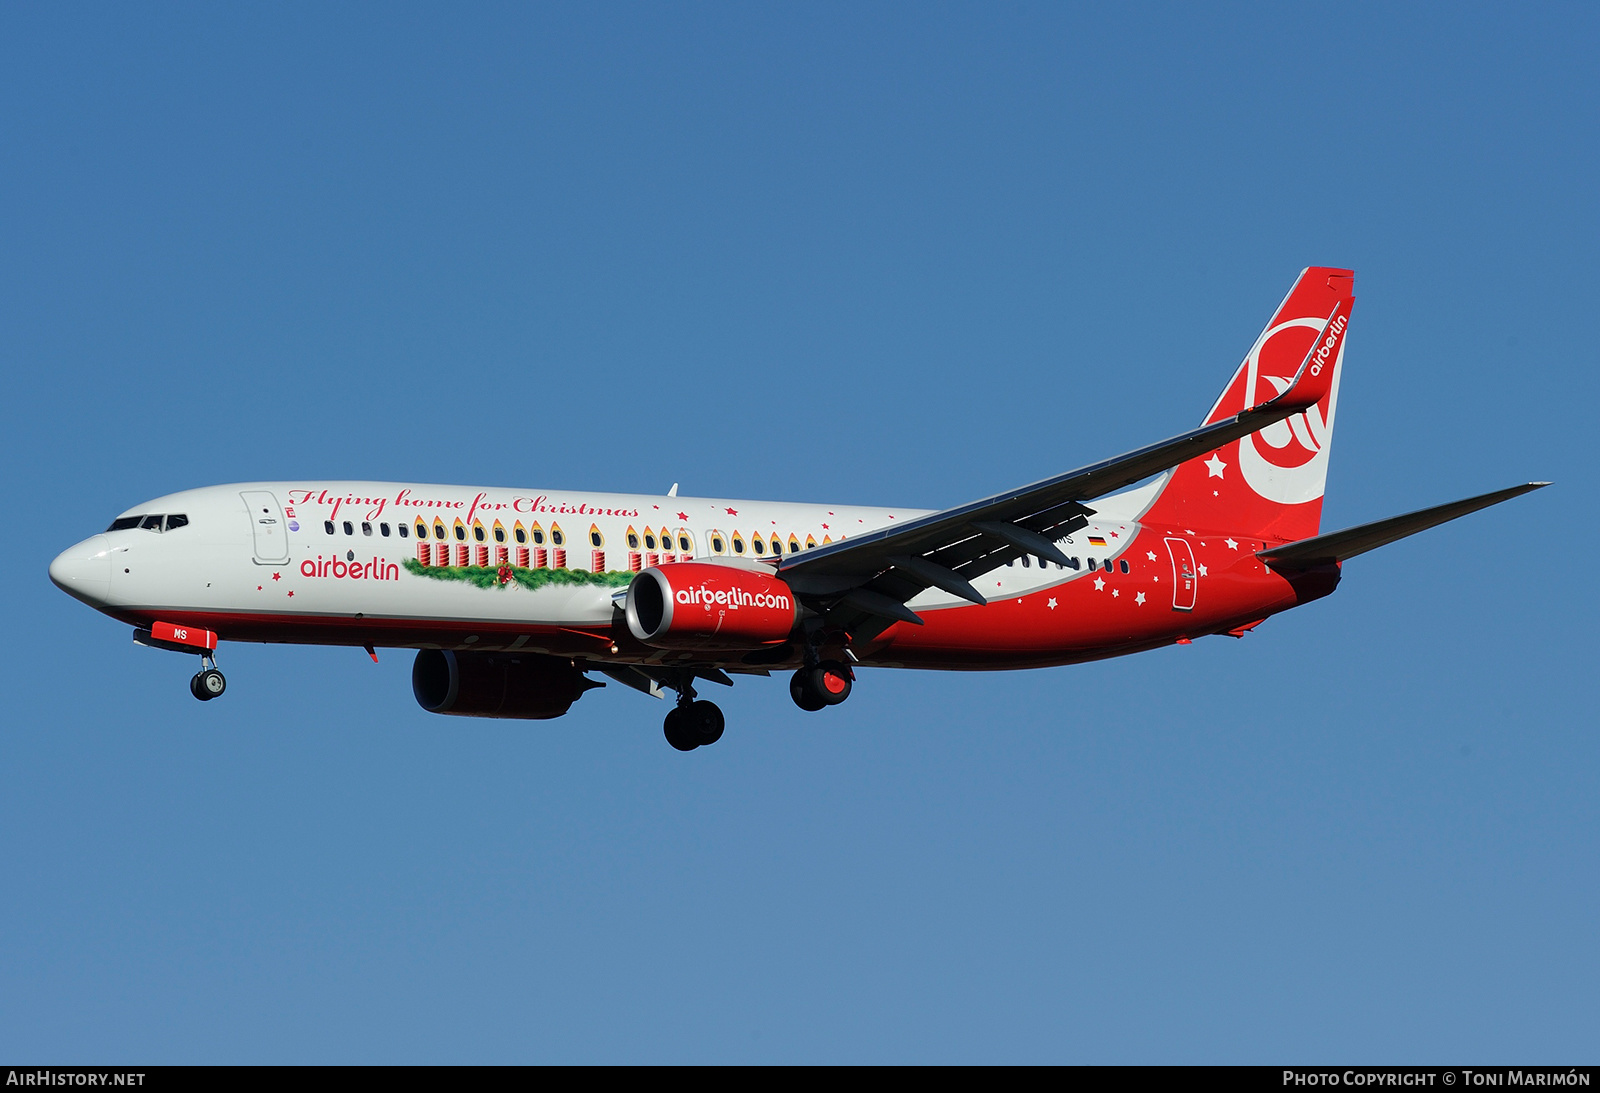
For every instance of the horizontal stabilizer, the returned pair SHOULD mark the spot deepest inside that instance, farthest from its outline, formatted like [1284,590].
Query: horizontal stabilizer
[1336,546]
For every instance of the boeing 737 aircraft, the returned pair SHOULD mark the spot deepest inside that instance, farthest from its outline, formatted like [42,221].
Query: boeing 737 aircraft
[513,598]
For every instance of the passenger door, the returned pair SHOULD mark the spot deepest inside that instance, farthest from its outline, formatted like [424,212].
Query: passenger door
[266,524]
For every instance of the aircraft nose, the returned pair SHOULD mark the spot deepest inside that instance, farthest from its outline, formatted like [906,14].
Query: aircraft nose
[84,571]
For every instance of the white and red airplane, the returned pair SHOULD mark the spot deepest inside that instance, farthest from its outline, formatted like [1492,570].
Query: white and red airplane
[511,597]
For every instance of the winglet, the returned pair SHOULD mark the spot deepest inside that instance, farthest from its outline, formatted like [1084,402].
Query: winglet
[1315,377]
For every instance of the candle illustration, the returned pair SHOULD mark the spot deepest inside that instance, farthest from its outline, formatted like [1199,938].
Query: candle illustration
[685,545]
[520,534]
[666,545]
[441,549]
[651,557]
[558,547]
[424,551]
[536,533]
[459,532]
[634,558]
[597,545]
[502,552]
[480,539]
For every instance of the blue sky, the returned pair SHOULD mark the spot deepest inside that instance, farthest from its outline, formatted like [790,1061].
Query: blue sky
[894,254]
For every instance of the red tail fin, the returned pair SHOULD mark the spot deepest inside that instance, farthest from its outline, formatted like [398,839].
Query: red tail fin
[1269,484]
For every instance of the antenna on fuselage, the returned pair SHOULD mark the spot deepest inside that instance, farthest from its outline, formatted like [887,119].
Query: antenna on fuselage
[673,492]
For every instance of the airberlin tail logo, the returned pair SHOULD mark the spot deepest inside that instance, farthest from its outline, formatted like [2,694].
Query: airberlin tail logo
[1287,462]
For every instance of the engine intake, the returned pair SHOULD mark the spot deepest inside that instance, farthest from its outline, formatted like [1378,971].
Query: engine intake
[701,605]
[531,686]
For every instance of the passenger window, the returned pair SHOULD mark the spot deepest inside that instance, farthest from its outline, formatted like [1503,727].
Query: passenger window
[558,537]
[1025,561]
[649,540]
[366,527]
[595,540]
[633,540]
[1091,562]
[1123,565]
[500,534]
[759,544]
[684,545]
[461,533]
[438,531]
[477,532]
[383,529]
[1108,565]
[538,536]
[717,546]
[349,528]
[327,526]
[1073,561]
[521,534]
[177,520]
[404,530]
[738,545]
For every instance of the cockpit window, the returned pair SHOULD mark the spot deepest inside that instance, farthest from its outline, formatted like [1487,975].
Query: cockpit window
[150,522]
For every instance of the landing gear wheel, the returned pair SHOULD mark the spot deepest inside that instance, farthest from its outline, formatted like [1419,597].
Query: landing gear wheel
[804,697]
[207,685]
[825,684]
[832,681]
[679,730]
[705,721]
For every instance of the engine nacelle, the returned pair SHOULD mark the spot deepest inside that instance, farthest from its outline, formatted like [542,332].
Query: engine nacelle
[701,605]
[531,686]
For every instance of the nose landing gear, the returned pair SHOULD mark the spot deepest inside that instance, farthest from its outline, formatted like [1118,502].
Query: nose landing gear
[207,683]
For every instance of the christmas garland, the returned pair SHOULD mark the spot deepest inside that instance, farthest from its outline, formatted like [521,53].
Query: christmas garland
[489,576]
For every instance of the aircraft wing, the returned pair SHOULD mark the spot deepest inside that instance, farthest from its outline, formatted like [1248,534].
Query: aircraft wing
[862,583]
[1336,546]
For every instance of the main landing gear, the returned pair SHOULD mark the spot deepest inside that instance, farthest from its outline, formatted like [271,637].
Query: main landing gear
[692,723]
[207,682]
[826,683]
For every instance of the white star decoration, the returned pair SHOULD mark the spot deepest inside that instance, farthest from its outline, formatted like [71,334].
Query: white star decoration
[1202,571]
[1139,598]
[1115,592]
[1231,544]
[1214,466]
[1150,554]
[1052,604]
[1099,584]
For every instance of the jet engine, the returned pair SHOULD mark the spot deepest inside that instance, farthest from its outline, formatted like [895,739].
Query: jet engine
[523,685]
[701,605]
